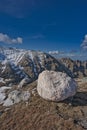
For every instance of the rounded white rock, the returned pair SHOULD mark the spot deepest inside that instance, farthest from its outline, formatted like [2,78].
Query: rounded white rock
[55,86]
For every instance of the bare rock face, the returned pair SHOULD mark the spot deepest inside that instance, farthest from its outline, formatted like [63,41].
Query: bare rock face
[77,67]
[55,86]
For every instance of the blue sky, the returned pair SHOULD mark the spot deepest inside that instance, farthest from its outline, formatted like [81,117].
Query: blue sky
[44,24]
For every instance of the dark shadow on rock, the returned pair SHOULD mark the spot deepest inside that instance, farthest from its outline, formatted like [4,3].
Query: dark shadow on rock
[80,99]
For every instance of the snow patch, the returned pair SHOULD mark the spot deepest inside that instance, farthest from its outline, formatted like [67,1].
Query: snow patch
[2,93]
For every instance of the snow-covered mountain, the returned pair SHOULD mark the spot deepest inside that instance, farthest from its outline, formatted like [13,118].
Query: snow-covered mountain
[18,64]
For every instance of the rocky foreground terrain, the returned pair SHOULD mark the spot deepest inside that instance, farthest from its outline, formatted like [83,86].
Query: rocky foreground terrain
[39,114]
[21,107]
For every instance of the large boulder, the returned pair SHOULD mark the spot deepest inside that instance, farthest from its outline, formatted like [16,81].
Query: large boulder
[55,86]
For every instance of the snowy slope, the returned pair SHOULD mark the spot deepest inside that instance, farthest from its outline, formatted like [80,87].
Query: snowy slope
[17,64]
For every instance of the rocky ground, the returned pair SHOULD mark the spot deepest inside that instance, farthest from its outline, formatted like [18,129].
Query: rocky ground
[39,114]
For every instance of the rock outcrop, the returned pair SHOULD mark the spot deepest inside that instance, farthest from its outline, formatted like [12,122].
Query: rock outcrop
[3,94]
[16,96]
[55,86]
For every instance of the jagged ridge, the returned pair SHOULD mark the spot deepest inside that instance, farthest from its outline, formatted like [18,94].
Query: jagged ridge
[16,64]
[77,67]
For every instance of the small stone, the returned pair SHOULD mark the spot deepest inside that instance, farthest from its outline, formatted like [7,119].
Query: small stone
[1,112]
[23,82]
[83,123]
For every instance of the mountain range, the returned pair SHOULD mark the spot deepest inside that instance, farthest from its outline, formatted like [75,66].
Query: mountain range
[18,65]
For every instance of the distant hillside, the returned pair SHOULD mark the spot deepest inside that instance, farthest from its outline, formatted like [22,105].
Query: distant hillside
[78,68]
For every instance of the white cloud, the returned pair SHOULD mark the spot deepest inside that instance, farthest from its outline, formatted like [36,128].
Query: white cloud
[56,52]
[75,55]
[53,52]
[6,39]
[84,43]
